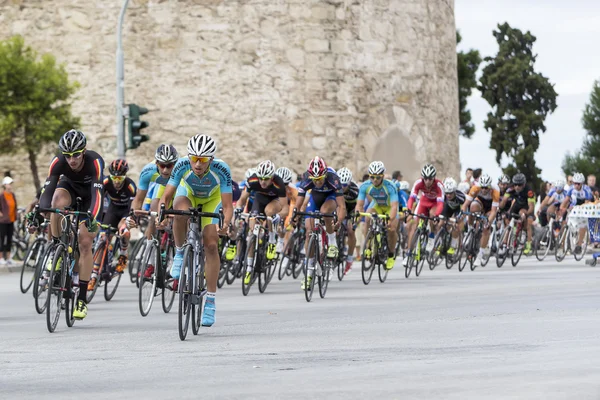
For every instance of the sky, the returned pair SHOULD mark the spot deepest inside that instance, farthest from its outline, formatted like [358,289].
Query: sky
[567,46]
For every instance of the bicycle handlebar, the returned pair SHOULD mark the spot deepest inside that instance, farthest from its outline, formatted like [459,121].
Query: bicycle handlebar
[193,212]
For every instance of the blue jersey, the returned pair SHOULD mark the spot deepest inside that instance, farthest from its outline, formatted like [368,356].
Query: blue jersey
[557,197]
[383,195]
[579,197]
[402,199]
[217,178]
[150,177]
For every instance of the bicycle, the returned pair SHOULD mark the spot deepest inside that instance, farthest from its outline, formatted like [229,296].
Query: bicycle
[104,252]
[191,287]
[567,241]
[317,250]
[417,253]
[512,242]
[262,269]
[342,235]
[375,249]
[66,256]
[154,272]
[442,243]
[546,241]
[472,241]
[32,262]
[293,253]
[497,229]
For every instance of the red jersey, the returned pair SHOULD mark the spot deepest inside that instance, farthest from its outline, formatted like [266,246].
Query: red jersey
[434,193]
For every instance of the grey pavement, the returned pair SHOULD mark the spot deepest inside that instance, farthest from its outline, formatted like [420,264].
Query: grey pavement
[531,332]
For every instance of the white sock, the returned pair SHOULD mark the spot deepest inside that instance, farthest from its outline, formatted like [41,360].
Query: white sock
[280,240]
[312,263]
[454,242]
[210,296]
[349,258]
[332,239]
[272,237]
[249,263]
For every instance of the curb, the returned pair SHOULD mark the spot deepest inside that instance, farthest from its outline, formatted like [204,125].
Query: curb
[5,269]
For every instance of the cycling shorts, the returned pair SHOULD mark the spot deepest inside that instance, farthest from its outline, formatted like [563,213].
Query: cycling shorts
[210,204]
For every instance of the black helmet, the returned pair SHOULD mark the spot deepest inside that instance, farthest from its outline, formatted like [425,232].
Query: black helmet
[118,167]
[72,141]
[519,179]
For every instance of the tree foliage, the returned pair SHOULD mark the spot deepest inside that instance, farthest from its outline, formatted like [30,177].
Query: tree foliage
[520,98]
[587,161]
[35,101]
[467,64]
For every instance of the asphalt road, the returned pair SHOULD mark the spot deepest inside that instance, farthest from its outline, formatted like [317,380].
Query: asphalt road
[531,332]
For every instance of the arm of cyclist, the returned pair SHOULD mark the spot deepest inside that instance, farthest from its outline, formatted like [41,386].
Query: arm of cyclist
[241,203]
[227,204]
[166,198]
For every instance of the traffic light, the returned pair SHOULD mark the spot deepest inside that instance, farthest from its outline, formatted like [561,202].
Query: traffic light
[134,137]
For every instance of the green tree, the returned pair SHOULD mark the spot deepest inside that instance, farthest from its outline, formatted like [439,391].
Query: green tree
[35,101]
[520,98]
[587,161]
[467,63]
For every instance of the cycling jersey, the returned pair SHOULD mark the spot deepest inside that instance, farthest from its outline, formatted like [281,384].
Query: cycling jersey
[578,197]
[555,197]
[488,200]
[332,185]
[350,196]
[119,197]
[383,195]
[402,199]
[521,199]
[150,177]
[85,183]
[202,190]
[428,196]
[456,202]
[275,189]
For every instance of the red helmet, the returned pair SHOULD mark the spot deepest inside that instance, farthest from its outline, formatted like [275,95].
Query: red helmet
[118,167]
[317,168]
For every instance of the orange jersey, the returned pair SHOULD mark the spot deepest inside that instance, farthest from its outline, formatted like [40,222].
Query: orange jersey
[493,195]
[292,195]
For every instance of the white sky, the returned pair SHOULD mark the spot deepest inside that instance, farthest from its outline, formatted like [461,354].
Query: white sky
[567,46]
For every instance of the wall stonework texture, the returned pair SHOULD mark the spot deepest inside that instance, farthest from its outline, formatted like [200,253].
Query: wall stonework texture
[349,80]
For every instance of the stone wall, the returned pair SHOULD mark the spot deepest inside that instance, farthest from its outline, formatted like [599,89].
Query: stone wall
[349,80]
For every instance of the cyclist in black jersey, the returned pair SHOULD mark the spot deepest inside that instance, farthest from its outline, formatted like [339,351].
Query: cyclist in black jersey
[350,190]
[453,201]
[120,191]
[76,172]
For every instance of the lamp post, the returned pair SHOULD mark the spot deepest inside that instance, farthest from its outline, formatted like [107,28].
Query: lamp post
[120,86]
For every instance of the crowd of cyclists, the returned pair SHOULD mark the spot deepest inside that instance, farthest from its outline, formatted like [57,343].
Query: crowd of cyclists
[315,228]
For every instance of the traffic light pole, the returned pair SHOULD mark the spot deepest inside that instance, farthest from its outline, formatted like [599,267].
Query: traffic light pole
[120,86]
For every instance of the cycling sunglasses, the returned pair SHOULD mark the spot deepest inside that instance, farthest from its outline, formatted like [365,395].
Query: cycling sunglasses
[195,159]
[75,154]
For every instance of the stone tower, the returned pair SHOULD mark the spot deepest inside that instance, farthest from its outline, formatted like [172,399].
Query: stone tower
[349,80]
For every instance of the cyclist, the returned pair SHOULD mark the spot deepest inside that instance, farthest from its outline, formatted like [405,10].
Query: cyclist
[522,199]
[351,198]
[430,192]
[483,198]
[76,172]
[119,190]
[200,180]
[552,201]
[153,178]
[453,201]
[327,196]
[270,200]
[384,195]
[579,194]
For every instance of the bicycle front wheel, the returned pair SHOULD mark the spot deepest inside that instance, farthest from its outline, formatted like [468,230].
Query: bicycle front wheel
[198,297]
[168,294]
[99,259]
[309,270]
[148,277]
[29,265]
[542,245]
[368,258]
[186,291]
[56,286]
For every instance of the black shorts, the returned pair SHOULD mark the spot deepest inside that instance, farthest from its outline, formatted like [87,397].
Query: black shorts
[517,206]
[486,204]
[114,215]
[448,212]
[76,190]
[260,202]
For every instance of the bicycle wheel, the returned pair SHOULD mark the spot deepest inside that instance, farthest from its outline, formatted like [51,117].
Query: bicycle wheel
[186,291]
[99,258]
[542,244]
[309,273]
[136,259]
[340,261]
[223,269]
[18,249]
[246,286]
[434,257]
[284,264]
[368,258]
[451,259]
[56,285]
[423,245]
[488,254]
[70,302]
[148,278]
[520,246]
[382,271]
[586,239]
[200,292]
[467,249]
[40,289]
[168,294]
[415,247]
[112,277]
[265,269]
[298,257]
[324,278]
[560,248]
[503,247]
[29,264]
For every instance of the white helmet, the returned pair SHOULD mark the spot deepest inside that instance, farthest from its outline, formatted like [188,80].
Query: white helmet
[428,171]
[202,146]
[578,178]
[559,184]
[376,168]
[265,169]
[285,174]
[504,179]
[166,153]
[485,181]
[345,175]
[404,185]
[464,187]
[249,173]
[449,185]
